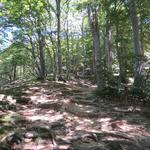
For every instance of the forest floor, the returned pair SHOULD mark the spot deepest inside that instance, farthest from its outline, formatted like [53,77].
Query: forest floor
[68,116]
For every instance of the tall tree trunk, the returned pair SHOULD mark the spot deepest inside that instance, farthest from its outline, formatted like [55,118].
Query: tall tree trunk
[14,72]
[108,50]
[41,43]
[68,61]
[120,53]
[35,64]
[93,21]
[139,53]
[58,13]
[141,34]
[84,49]
[68,54]
[108,57]
[54,45]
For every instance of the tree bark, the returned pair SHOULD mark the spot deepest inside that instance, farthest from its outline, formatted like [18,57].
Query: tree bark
[93,21]
[108,49]
[14,72]
[58,13]
[120,52]
[84,49]
[41,43]
[139,53]
[68,61]
[108,57]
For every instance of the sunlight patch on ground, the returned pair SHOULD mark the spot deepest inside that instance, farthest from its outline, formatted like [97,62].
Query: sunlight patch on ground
[9,99]
[34,88]
[29,112]
[127,109]
[64,147]
[2,97]
[74,117]
[37,114]
[109,138]
[77,123]
[103,119]
[41,99]
[105,126]
[65,101]
[40,95]
[38,146]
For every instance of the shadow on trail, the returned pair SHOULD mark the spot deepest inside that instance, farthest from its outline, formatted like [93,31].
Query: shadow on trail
[65,116]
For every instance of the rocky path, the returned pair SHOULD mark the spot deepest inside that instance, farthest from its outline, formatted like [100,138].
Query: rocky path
[67,116]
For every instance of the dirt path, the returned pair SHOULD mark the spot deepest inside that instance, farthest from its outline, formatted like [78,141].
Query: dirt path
[66,116]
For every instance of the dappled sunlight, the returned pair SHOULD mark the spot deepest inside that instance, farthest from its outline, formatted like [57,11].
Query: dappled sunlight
[41,95]
[103,126]
[29,112]
[41,99]
[71,118]
[103,119]
[38,114]
[66,101]
[80,83]
[73,122]
[83,125]
[127,109]
[39,145]
[8,98]
[34,89]
[64,147]
[109,138]
[2,96]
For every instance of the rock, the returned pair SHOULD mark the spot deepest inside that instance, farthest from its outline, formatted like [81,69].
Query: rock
[30,135]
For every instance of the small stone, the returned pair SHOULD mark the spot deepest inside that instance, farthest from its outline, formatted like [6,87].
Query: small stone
[30,135]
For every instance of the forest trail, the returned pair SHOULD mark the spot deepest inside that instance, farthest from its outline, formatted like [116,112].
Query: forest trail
[68,116]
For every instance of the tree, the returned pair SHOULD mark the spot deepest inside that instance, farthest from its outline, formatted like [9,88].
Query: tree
[139,53]
[58,13]
[31,22]
[93,38]
[93,21]
[14,60]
